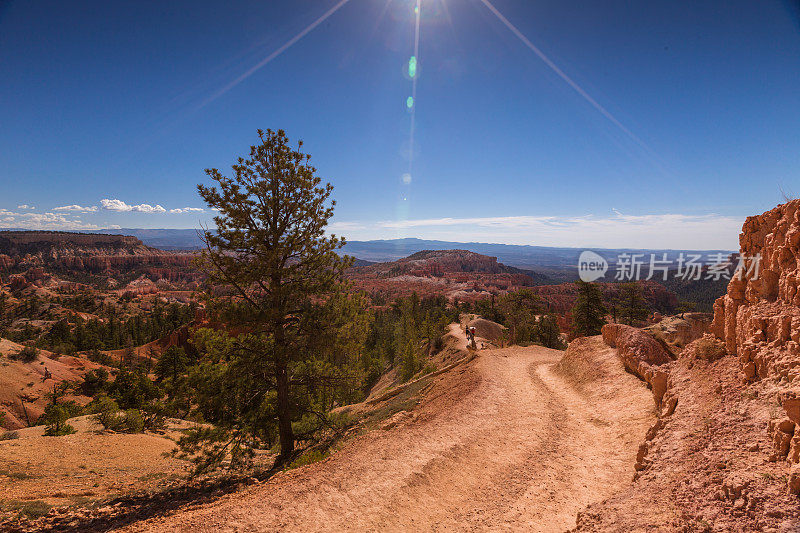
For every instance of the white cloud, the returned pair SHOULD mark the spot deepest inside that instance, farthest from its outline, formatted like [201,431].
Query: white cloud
[25,206]
[42,221]
[186,210]
[115,205]
[346,226]
[654,231]
[119,205]
[76,208]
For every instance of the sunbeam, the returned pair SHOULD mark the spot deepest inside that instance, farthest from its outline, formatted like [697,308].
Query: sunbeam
[561,74]
[413,73]
[273,55]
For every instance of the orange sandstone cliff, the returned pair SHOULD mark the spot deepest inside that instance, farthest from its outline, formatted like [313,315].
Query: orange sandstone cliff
[759,321]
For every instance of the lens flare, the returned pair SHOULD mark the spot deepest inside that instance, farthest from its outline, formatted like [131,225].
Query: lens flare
[412,67]
[252,70]
[563,75]
[410,102]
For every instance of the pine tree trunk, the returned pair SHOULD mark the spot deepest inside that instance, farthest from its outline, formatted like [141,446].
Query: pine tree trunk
[284,414]
[281,375]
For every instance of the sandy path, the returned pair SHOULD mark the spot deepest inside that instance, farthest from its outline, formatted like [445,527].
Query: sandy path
[520,450]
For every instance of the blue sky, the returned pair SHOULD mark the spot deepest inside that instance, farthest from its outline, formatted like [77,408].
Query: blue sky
[652,124]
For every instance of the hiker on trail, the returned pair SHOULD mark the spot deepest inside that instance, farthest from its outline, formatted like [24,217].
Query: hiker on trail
[47,374]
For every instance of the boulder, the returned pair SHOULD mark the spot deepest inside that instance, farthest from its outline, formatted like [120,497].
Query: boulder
[642,355]
[793,484]
[491,331]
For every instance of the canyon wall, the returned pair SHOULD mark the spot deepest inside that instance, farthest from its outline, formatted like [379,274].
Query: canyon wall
[759,320]
[759,317]
[33,253]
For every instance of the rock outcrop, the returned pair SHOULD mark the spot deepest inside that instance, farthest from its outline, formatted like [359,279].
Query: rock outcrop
[37,254]
[679,331]
[726,457]
[759,317]
[456,274]
[486,329]
[642,355]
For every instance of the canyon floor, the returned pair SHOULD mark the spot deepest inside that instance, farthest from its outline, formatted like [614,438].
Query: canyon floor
[516,438]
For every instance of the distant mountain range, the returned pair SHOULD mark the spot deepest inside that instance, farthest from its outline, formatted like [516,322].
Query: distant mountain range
[542,264]
[560,264]
[165,239]
[556,262]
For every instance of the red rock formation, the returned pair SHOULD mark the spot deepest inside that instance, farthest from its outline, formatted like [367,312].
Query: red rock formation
[39,252]
[486,329]
[35,274]
[466,276]
[642,355]
[759,317]
[457,274]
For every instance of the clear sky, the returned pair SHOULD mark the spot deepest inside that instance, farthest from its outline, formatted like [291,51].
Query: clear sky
[548,122]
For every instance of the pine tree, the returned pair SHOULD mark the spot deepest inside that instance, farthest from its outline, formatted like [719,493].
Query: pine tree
[172,364]
[588,314]
[270,254]
[548,334]
[632,306]
[57,413]
[520,309]
[3,299]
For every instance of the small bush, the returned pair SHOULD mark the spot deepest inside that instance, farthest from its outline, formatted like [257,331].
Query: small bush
[110,416]
[428,368]
[132,421]
[155,416]
[56,416]
[309,457]
[64,348]
[32,509]
[94,382]
[709,348]
[58,430]
[107,412]
[9,435]
[438,344]
[27,354]
[72,407]
[99,357]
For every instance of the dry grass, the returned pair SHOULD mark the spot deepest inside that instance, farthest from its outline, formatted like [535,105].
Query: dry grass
[709,348]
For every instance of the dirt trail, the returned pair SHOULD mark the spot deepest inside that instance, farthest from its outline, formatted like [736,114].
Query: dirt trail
[505,442]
